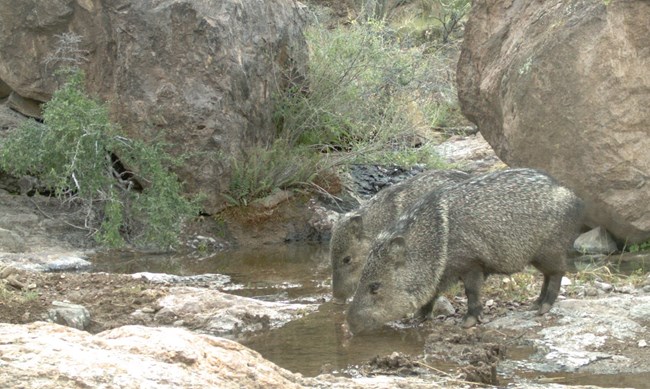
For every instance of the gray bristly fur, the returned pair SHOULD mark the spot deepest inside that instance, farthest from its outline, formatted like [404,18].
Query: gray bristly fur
[494,223]
[353,233]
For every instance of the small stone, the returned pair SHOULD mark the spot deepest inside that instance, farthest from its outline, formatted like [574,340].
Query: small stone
[646,288]
[442,306]
[643,343]
[596,241]
[565,281]
[71,315]
[13,281]
[489,303]
[626,289]
[7,271]
[590,291]
[603,286]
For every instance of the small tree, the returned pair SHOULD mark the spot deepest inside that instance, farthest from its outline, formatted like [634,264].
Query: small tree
[450,15]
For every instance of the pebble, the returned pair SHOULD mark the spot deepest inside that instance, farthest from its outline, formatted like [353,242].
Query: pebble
[643,343]
[603,286]
[626,289]
[590,291]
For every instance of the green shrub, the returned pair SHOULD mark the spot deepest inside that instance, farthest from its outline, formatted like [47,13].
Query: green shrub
[635,248]
[74,153]
[363,87]
[264,170]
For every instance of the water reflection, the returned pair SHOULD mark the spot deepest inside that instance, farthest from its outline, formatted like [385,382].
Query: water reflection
[317,340]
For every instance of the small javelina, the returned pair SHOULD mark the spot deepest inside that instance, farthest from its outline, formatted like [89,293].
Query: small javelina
[353,233]
[496,223]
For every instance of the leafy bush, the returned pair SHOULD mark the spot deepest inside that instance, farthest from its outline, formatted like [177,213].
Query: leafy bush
[364,91]
[78,154]
[637,247]
[264,170]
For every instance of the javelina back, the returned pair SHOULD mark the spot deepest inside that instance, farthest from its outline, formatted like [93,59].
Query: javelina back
[352,234]
[495,223]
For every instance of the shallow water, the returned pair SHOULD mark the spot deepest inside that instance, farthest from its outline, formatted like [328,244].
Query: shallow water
[295,273]
[301,273]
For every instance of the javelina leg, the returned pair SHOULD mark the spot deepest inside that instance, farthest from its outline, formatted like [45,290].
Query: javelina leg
[425,311]
[473,280]
[552,291]
[538,303]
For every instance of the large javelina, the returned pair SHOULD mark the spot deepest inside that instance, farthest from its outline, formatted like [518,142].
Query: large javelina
[496,223]
[353,233]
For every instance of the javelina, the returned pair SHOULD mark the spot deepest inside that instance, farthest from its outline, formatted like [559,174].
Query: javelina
[353,233]
[495,223]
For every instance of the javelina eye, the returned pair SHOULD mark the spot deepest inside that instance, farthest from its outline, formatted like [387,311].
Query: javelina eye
[374,287]
[347,259]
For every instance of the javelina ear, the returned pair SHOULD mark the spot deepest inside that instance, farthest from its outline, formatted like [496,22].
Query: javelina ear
[397,251]
[356,226]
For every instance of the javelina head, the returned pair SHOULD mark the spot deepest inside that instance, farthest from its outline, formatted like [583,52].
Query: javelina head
[388,288]
[348,252]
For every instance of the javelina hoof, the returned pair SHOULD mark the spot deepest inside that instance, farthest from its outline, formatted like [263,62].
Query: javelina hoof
[544,308]
[470,321]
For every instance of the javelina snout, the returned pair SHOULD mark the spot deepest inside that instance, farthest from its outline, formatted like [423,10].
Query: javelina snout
[497,223]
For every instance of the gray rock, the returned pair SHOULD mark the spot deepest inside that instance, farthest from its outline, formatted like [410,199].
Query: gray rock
[214,280]
[26,106]
[604,286]
[223,314]
[640,312]
[471,153]
[5,90]
[595,241]
[587,128]
[442,306]
[626,289]
[67,263]
[71,315]
[11,242]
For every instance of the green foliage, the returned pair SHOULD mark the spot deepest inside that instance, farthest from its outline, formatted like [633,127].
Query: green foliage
[74,154]
[436,22]
[264,170]
[366,90]
[635,248]
[451,12]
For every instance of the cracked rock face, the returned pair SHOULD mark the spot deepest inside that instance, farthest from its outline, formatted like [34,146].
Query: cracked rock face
[565,87]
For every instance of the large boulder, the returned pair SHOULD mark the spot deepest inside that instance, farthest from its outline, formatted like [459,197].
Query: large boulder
[565,86]
[201,73]
[42,355]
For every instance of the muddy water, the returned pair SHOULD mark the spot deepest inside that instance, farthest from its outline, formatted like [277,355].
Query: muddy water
[292,273]
[301,273]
